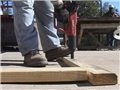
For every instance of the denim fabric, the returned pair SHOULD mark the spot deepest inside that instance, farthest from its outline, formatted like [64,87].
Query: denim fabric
[26,33]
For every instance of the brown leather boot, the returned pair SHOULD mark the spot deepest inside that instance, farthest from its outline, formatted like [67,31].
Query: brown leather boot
[35,59]
[57,52]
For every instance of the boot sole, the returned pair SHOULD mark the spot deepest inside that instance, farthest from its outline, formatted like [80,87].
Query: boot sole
[60,55]
[34,64]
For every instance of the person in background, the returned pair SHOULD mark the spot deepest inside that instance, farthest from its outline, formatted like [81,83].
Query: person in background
[112,14]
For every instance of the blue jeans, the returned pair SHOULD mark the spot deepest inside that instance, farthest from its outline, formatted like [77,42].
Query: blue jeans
[26,34]
[109,38]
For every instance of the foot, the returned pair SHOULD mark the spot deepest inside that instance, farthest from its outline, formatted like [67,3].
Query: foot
[57,52]
[35,59]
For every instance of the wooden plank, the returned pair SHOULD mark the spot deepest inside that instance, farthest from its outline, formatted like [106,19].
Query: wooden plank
[100,26]
[14,71]
[96,75]
[99,19]
[23,75]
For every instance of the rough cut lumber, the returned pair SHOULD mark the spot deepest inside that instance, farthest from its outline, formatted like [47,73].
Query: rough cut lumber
[78,71]
[95,74]
[23,75]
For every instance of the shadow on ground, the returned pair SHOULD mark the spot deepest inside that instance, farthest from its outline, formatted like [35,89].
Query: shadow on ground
[9,49]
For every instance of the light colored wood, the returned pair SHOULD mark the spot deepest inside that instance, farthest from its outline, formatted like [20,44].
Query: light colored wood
[96,75]
[14,71]
[78,71]
[22,75]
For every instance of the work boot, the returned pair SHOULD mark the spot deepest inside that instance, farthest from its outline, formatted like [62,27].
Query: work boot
[57,52]
[35,59]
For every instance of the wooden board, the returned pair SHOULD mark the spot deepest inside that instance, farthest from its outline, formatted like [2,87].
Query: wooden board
[99,19]
[42,75]
[13,71]
[96,75]
[75,70]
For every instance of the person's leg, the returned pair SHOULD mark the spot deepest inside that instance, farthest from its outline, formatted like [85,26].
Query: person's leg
[50,41]
[44,16]
[107,38]
[26,34]
[113,40]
